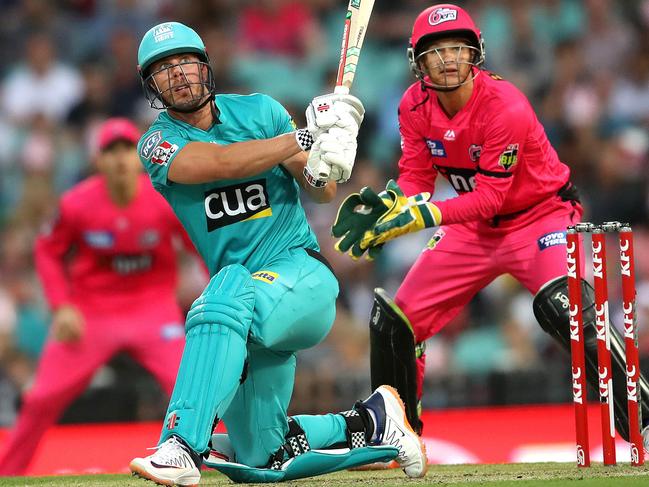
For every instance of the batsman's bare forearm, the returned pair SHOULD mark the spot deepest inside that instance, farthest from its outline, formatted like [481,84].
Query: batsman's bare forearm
[295,165]
[202,162]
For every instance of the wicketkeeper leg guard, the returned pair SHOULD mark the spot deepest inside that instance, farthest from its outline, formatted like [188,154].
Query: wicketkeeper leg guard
[551,308]
[212,363]
[392,354]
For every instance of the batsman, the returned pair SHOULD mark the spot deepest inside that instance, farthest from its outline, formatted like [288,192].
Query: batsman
[515,201]
[232,168]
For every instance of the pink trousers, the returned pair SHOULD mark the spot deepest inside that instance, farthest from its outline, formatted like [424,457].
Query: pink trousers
[154,337]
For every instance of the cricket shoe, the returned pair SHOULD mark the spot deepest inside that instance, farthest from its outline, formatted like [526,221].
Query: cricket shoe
[173,463]
[392,429]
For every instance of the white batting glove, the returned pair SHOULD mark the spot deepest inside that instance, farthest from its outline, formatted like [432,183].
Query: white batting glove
[338,151]
[326,111]
[316,172]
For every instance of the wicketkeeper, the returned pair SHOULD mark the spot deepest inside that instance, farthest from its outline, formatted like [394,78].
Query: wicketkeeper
[515,201]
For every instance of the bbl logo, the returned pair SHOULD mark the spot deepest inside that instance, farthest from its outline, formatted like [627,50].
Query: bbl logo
[235,203]
[509,158]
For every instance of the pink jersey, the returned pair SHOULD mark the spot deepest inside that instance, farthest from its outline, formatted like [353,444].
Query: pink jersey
[99,255]
[494,152]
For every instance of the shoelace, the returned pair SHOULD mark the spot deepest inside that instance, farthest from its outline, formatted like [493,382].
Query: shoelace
[167,451]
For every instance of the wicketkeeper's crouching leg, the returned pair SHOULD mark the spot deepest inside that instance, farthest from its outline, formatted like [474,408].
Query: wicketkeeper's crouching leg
[395,357]
[551,309]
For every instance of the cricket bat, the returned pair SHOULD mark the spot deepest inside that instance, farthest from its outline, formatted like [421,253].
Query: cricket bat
[356,20]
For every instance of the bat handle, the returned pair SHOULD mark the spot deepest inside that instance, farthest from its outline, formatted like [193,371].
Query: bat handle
[341,90]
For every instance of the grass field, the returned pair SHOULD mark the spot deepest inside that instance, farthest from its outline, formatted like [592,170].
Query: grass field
[519,475]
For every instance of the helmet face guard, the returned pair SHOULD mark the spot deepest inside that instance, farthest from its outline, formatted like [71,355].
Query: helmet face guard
[202,87]
[451,81]
[441,22]
[169,39]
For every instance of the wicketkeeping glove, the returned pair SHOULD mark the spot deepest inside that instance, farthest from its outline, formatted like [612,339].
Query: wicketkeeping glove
[406,215]
[357,214]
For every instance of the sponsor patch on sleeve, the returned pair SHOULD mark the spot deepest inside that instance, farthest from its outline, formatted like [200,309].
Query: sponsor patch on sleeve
[149,144]
[509,157]
[552,239]
[266,276]
[163,153]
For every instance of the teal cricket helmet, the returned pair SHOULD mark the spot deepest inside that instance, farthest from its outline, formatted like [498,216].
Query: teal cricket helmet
[165,40]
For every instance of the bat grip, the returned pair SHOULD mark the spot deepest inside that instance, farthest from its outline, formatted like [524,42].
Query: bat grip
[341,90]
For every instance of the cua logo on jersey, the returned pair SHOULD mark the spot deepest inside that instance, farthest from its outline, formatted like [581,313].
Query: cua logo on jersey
[441,15]
[236,203]
[163,153]
[436,148]
[509,157]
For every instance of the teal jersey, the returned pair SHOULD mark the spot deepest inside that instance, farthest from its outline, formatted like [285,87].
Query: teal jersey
[246,221]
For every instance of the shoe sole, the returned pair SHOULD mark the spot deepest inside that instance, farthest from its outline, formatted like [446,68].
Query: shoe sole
[137,471]
[396,396]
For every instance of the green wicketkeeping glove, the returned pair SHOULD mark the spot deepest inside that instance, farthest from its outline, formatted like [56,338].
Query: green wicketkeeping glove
[406,215]
[357,214]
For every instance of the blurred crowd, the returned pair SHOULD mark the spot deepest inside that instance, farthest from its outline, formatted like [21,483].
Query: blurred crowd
[70,64]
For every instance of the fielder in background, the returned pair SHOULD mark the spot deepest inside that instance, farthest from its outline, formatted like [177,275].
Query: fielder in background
[108,267]
[515,202]
[231,167]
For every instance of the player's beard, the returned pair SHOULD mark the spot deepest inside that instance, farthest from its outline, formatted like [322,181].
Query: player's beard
[193,101]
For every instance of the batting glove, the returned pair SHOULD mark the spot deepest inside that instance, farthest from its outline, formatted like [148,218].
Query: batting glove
[326,111]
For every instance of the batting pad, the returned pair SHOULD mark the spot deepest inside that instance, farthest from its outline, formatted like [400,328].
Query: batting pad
[212,362]
[309,464]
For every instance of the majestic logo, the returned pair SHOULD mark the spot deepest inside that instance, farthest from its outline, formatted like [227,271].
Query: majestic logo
[449,135]
[150,143]
[162,154]
[474,152]
[509,157]
[163,32]
[441,15]
[236,203]
[436,148]
[265,276]
[551,239]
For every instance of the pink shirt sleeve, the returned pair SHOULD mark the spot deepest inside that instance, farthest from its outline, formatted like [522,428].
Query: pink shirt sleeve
[50,249]
[416,171]
[504,142]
